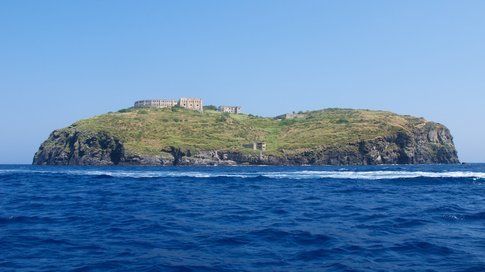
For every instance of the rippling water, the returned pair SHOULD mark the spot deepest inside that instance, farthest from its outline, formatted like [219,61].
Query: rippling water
[387,218]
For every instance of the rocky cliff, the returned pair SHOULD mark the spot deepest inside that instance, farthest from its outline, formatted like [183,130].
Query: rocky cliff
[408,140]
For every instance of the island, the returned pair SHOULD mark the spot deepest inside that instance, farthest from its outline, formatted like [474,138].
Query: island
[170,133]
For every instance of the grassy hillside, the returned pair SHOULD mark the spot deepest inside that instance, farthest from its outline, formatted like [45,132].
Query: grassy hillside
[147,131]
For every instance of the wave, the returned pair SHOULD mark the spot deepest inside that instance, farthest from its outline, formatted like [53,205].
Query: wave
[299,175]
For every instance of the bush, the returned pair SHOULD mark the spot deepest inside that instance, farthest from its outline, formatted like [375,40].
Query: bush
[210,107]
[124,110]
[342,121]
[286,122]
[224,117]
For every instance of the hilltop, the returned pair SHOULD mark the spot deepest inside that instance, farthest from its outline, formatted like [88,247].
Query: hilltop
[176,136]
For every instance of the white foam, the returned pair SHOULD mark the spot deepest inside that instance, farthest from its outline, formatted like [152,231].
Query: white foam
[339,174]
[375,175]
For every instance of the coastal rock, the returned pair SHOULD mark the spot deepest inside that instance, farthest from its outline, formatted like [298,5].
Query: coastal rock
[409,141]
[431,143]
[71,147]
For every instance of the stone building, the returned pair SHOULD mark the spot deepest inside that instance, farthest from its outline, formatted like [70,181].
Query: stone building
[188,103]
[156,103]
[290,116]
[230,109]
[191,103]
[261,146]
[256,146]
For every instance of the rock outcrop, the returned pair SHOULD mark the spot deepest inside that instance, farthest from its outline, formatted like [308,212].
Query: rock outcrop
[71,147]
[427,143]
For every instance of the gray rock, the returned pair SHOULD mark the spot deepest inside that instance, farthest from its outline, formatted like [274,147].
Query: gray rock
[71,147]
[425,144]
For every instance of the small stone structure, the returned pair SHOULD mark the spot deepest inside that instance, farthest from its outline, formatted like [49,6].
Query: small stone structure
[290,116]
[256,146]
[230,109]
[261,146]
[187,103]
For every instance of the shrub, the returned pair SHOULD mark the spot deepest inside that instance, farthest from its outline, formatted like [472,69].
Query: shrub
[342,121]
[224,117]
[210,107]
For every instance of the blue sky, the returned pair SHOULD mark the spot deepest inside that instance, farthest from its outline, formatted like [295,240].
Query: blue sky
[65,60]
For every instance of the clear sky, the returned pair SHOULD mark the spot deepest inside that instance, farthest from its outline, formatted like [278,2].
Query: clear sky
[65,60]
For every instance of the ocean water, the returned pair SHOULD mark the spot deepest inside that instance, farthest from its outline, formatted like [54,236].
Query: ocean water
[376,218]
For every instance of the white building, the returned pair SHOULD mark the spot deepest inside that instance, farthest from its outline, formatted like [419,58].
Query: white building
[230,109]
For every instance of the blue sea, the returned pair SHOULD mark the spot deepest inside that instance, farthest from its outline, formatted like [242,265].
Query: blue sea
[372,218]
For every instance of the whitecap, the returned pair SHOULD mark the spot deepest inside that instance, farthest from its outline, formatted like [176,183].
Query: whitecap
[305,174]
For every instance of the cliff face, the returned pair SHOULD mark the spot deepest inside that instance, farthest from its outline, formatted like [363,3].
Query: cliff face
[71,147]
[425,143]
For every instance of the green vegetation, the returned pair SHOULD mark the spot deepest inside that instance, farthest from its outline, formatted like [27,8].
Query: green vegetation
[210,107]
[147,131]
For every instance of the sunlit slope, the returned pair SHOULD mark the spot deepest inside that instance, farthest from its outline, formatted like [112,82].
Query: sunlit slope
[147,131]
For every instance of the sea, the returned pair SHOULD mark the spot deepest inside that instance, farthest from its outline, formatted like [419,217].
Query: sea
[244,218]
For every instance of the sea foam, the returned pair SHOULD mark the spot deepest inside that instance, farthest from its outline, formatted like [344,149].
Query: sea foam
[305,174]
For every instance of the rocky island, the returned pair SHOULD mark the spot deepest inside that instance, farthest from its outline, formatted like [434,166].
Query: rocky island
[179,136]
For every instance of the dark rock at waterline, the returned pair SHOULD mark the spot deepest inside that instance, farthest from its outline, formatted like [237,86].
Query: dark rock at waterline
[427,144]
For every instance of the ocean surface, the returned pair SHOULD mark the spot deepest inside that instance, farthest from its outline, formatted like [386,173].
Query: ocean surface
[376,218]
